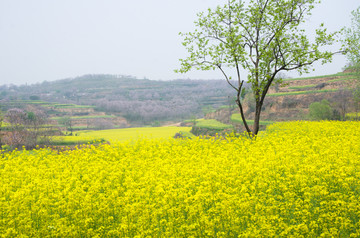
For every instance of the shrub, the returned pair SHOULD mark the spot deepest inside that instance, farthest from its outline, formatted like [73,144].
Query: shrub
[321,110]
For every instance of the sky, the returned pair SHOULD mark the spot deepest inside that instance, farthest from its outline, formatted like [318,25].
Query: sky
[47,40]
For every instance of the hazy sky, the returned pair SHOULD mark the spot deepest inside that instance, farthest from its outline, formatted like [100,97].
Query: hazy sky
[55,39]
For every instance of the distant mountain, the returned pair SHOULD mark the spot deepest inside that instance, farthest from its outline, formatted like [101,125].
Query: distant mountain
[138,100]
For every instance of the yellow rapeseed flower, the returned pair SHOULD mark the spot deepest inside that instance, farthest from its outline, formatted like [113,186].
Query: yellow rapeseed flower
[298,179]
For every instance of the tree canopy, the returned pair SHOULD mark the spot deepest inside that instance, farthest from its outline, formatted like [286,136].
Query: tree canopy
[262,38]
[352,44]
[321,110]
[352,39]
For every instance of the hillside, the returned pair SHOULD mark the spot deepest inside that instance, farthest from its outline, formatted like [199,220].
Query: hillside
[140,101]
[291,100]
[123,101]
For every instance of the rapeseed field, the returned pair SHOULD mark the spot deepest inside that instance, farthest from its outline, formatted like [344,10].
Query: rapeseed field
[298,179]
[122,135]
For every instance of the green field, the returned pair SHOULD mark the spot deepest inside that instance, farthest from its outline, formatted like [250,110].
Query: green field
[314,85]
[192,120]
[302,92]
[187,134]
[237,119]
[84,117]
[35,102]
[341,79]
[71,106]
[303,87]
[322,76]
[49,104]
[212,124]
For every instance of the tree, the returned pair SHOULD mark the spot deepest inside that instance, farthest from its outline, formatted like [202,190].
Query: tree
[102,124]
[26,128]
[34,97]
[356,96]
[67,121]
[38,131]
[341,98]
[17,134]
[351,42]
[264,38]
[321,110]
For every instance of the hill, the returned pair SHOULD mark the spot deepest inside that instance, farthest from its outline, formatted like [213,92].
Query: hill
[291,100]
[123,101]
[140,101]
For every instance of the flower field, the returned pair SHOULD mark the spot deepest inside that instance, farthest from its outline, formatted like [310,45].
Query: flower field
[127,134]
[298,179]
[116,135]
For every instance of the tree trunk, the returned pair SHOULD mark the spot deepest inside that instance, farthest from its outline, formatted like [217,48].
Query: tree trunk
[256,125]
[248,130]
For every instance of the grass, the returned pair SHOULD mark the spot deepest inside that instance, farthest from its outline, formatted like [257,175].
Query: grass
[314,85]
[237,119]
[341,79]
[319,77]
[302,92]
[192,120]
[212,124]
[49,104]
[303,87]
[71,106]
[314,77]
[187,134]
[85,117]
[37,102]
[80,128]
[5,124]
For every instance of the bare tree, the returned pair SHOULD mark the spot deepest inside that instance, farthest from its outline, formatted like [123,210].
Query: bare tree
[102,124]
[26,128]
[342,98]
[39,132]
[67,121]
[17,134]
